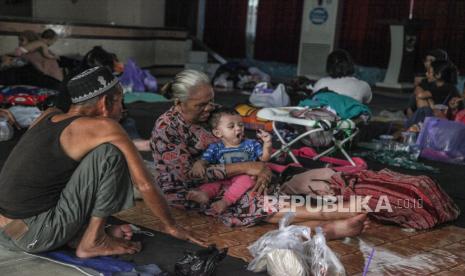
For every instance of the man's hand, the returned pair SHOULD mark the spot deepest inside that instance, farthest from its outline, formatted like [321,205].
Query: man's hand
[198,169]
[182,234]
[262,175]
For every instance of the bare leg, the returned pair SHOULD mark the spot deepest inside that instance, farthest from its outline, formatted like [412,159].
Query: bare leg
[304,214]
[95,242]
[342,228]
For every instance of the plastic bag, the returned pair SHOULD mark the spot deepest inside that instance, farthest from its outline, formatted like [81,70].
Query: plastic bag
[6,130]
[264,96]
[324,261]
[25,115]
[149,81]
[442,140]
[136,79]
[200,263]
[290,250]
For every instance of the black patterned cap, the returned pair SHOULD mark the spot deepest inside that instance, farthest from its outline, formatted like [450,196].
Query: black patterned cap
[90,84]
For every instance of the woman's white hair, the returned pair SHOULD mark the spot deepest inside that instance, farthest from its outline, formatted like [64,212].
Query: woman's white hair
[185,81]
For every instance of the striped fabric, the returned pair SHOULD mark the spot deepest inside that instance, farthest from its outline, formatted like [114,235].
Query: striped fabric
[417,201]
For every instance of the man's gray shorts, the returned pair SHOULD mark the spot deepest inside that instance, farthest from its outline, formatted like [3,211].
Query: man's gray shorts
[99,187]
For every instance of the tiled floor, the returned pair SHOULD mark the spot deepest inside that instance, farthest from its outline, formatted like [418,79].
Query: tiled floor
[397,251]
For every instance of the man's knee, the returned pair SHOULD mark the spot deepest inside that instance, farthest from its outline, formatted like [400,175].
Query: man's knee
[107,149]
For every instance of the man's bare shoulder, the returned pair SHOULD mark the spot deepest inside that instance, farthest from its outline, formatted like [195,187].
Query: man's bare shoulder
[86,133]
[100,125]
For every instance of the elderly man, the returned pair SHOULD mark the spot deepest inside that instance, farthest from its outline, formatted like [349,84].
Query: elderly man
[70,171]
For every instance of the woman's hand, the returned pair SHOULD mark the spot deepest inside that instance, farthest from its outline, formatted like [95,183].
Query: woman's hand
[182,234]
[198,169]
[262,175]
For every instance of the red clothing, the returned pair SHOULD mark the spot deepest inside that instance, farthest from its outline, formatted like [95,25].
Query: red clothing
[235,187]
[460,117]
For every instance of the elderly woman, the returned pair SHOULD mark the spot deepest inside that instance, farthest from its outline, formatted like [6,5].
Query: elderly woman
[178,140]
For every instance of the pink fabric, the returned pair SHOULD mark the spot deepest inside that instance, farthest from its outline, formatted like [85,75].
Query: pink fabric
[280,168]
[235,188]
[342,165]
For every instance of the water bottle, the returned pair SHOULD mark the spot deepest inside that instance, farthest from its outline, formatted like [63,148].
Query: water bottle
[414,151]
[6,131]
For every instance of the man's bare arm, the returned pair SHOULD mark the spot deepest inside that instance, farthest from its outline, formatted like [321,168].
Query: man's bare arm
[85,134]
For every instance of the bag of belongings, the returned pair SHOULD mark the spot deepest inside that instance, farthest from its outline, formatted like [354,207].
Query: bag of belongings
[291,250]
[200,263]
[264,95]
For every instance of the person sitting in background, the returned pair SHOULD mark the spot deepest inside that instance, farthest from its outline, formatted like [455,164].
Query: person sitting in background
[425,81]
[433,55]
[47,39]
[38,53]
[438,99]
[227,125]
[340,68]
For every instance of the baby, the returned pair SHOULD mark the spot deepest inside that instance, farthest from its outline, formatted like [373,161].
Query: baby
[227,125]
[42,44]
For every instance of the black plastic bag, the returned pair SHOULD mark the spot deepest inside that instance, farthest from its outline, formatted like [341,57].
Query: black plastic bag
[200,263]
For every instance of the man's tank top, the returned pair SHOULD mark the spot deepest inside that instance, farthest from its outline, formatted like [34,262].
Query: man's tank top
[36,171]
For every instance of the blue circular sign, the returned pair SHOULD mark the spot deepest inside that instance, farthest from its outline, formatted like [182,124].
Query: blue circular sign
[318,16]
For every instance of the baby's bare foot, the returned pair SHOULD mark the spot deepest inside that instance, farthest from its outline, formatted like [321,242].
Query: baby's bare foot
[220,206]
[198,196]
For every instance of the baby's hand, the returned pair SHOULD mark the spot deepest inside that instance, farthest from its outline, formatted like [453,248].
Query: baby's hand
[198,169]
[264,136]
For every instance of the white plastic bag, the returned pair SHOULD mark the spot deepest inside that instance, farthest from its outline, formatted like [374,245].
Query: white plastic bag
[291,251]
[324,261]
[264,96]
[25,115]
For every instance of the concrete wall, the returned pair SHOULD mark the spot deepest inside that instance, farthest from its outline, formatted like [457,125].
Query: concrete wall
[145,13]
[144,52]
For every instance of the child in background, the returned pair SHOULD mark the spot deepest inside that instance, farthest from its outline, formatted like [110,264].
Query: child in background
[227,125]
[47,39]
[436,100]
[425,81]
